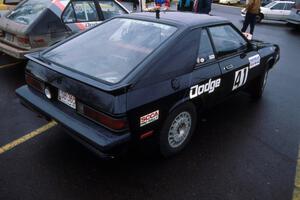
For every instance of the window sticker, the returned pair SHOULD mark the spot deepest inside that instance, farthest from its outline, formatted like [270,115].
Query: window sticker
[211,57]
[254,61]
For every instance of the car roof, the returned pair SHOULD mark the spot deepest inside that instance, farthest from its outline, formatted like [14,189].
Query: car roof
[182,18]
[284,1]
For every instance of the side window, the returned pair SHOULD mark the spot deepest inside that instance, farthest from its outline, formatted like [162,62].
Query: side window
[278,6]
[288,6]
[227,40]
[68,15]
[206,51]
[111,9]
[80,11]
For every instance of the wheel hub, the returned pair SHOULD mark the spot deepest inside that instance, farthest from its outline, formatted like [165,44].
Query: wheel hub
[179,129]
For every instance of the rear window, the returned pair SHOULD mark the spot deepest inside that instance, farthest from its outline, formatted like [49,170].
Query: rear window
[110,51]
[28,11]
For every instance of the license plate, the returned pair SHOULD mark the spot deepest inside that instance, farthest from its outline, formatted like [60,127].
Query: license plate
[9,37]
[67,99]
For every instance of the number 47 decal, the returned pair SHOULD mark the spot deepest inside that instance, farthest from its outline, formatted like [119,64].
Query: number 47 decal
[240,78]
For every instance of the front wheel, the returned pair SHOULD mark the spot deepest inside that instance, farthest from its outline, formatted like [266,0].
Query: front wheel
[177,130]
[258,85]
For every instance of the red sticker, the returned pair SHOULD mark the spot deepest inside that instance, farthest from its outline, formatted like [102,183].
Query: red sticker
[151,117]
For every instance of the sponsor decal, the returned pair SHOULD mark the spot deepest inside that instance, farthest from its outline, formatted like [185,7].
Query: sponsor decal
[208,87]
[240,78]
[147,119]
[91,24]
[254,61]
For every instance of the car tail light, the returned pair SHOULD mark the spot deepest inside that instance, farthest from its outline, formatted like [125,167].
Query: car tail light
[39,41]
[101,118]
[34,82]
[23,41]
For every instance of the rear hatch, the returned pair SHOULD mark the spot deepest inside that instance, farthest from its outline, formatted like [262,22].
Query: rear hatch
[31,25]
[92,71]
[104,105]
[16,24]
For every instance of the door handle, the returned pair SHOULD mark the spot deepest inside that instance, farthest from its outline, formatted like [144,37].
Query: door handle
[228,67]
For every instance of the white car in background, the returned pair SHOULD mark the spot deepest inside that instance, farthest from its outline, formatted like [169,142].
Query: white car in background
[276,10]
[229,1]
[294,17]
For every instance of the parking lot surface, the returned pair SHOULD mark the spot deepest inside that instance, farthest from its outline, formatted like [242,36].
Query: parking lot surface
[241,150]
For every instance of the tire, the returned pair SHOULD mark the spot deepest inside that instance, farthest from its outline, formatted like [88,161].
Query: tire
[177,130]
[259,17]
[258,86]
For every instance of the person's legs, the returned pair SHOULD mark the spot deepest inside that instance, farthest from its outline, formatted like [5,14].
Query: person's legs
[246,22]
[252,23]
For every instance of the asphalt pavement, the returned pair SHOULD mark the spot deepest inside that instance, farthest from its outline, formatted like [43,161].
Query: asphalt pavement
[241,150]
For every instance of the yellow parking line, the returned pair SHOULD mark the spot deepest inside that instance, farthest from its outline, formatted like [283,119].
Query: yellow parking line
[10,64]
[296,195]
[27,137]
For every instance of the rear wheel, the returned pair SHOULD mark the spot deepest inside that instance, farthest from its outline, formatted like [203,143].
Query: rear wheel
[259,17]
[177,130]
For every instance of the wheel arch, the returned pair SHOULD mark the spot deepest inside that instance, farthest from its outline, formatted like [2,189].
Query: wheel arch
[197,105]
[270,62]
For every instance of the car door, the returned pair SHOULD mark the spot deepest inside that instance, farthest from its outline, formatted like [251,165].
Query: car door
[82,14]
[276,11]
[206,76]
[287,9]
[79,15]
[238,62]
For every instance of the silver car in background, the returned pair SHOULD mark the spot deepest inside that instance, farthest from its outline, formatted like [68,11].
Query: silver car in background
[276,10]
[294,17]
[36,24]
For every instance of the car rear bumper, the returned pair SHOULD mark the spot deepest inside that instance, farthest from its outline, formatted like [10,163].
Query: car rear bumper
[104,142]
[14,51]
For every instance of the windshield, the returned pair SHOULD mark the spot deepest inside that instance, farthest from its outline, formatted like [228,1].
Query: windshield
[27,12]
[110,51]
[270,5]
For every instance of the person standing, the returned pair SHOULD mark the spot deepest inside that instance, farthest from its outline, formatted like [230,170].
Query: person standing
[185,5]
[135,5]
[202,6]
[252,9]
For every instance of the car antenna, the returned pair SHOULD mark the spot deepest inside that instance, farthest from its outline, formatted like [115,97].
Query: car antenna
[157,11]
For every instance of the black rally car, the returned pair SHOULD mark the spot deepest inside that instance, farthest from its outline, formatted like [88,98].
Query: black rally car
[152,79]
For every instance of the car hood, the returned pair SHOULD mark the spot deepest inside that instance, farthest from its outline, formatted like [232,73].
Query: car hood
[260,43]
[257,44]
[263,9]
